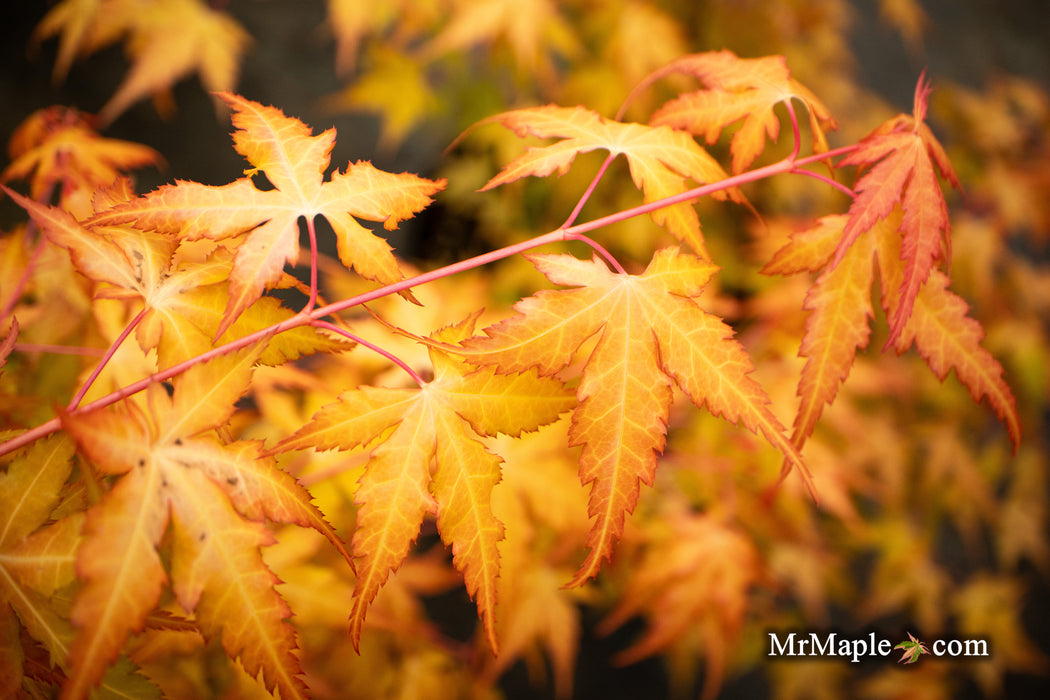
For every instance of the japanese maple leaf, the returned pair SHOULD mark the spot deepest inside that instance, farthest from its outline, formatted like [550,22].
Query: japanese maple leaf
[171,470]
[58,145]
[912,650]
[739,89]
[430,460]
[841,310]
[171,39]
[182,299]
[839,322]
[36,558]
[695,578]
[651,334]
[294,161]
[946,336]
[660,159]
[534,30]
[82,26]
[899,160]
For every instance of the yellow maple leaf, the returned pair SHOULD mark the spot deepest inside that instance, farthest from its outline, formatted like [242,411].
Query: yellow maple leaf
[59,146]
[294,161]
[217,495]
[182,299]
[171,39]
[738,89]
[651,334]
[36,558]
[660,159]
[438,424]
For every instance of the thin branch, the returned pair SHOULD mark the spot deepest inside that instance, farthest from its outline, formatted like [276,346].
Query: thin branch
[598,249]
[825,179]
[371,346]
[575,232]
[794,130]
[114,346]
[590,189]
[313,264]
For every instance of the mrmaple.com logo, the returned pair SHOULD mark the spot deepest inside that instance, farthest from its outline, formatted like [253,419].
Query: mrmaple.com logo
[835,645]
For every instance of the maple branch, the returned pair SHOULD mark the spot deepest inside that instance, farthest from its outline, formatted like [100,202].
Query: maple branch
[313,264]
[794,130]
[598,249]
[574,232]
[825,179]
[107,357]
[590,190]
[317,323]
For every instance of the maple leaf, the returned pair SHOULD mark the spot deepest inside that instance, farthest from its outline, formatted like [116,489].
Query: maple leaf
[84,26]
[438,423]
[912,650]
[651,334]
[660,159]
[899,159]
[208,42]
[294,161]
[692,582]
[58,145]
[945,336]
[738,89]
[215,496]
[183,299]
[35,558]
[840,302]
[532,29]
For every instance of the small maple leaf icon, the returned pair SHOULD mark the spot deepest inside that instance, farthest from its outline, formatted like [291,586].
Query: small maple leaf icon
[913,649]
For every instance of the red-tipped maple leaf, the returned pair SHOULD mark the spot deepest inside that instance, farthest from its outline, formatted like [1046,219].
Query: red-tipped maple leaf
[839,325]
[651,334]
[739,89]
[945,336]
[898,161]
[294,161]
[660,159]
[216,495]
[433,428]
[840,302]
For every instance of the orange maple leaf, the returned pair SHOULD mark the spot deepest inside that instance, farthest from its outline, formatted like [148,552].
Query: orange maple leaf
[899,158]
[182,299]
[738,89]
[651,333]
[438,423]
[945,336]
[693,581]
[36,558]
[660,159]
[217,495]
[172,39]
[294,161]
[840,302]
[59,145]
[841,310]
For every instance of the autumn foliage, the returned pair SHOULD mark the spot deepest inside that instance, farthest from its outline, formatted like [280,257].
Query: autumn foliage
[237,465]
